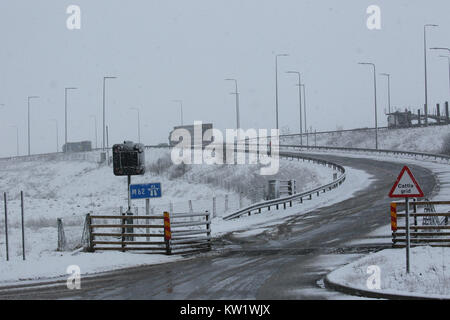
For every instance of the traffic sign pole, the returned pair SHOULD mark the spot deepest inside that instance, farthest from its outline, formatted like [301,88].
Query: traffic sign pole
[147,212]
[408,245]
[406,187]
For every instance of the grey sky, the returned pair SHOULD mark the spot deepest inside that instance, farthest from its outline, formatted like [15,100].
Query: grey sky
[179,49]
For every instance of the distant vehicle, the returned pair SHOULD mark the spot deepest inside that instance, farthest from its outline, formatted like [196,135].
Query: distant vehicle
[194,140]
[77,146]
[400,119]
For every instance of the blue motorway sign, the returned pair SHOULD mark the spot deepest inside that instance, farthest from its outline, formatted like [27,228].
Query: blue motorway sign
[145,191]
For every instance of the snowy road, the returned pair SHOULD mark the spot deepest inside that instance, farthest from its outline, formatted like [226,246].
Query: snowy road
[286,262]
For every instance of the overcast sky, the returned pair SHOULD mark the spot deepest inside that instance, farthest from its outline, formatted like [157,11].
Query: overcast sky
[184,49]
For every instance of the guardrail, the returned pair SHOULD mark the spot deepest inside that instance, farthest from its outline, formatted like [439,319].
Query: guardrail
[423,155]
[296,197]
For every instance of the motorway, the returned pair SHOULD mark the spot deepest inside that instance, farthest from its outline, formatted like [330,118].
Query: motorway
[285,262]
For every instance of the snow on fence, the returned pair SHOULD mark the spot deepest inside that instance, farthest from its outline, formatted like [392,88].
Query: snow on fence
[168,233]
[72,234]
[433,230]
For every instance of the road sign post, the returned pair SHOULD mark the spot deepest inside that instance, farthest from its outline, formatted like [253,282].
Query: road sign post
[406,187]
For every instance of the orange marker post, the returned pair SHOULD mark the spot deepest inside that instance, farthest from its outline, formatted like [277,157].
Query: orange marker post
[167,232]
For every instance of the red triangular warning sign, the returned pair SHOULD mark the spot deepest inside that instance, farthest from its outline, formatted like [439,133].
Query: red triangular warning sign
[406,186]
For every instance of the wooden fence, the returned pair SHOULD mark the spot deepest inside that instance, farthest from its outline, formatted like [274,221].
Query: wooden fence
[168,233]
[426,228]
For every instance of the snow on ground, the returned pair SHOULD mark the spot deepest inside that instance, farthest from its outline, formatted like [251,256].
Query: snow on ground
[70,189]
[429,276]
[430,139]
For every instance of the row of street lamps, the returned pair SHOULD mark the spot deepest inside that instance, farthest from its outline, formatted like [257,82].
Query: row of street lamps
[301,87]
[389,82]
[66,89]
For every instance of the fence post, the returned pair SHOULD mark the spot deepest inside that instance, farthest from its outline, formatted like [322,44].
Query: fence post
[6,227]
[190,206]
[208,228]
[226,203]
[147,212]
[167,232]
[123,221]
[61,235]
[214,212]
[90,231]
[23,225]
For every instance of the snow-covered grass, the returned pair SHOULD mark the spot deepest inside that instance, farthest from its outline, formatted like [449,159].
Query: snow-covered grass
[432,139]
[429,276]
[70,189]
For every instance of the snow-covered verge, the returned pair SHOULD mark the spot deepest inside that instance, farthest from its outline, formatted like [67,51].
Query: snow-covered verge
[429,276]
[70,189]
[432,139]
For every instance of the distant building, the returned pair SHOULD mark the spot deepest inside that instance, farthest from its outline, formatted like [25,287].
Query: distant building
[195,140]
[77,146]
[400,119]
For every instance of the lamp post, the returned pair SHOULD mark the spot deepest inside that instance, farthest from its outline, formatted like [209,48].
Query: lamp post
[65,112]
[95,123]
[181,109]
[236,93]
[29,137]
[139,123]
[57,139]
[448,58]
[300,101]
[425,58]
[104,121]
[276,85]
[389,89]
[375,98]
[304,107]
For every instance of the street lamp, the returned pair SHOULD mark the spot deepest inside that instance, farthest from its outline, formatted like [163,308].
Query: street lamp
[276,84]
[95,122]
[139,124]
[104,123]
[29,140]
[181,109]
[448,57]
[17,138]
[389,89]
[236,93]
[300,101]
[425,57]
[65,112]
[375,98]
[57,139]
